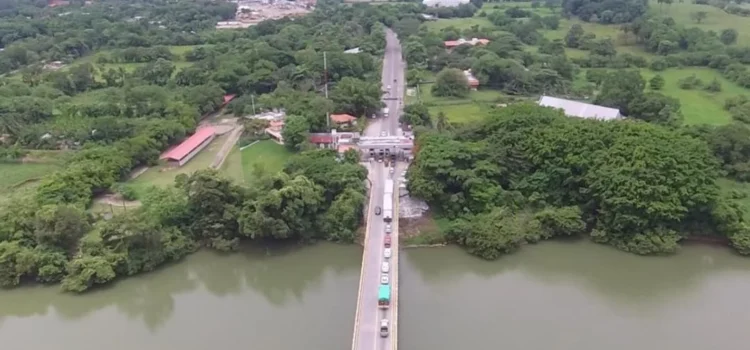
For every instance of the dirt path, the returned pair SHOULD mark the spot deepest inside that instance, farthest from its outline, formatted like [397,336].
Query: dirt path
[116,200]
[221,156]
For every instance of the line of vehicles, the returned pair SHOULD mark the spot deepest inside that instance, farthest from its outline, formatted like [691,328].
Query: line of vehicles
[384,292]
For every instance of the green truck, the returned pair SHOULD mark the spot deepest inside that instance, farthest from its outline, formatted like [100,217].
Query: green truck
[384,296]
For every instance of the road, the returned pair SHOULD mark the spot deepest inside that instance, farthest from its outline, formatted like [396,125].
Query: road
[367,331]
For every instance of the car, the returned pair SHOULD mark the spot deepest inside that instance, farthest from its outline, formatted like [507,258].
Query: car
[384,328]
[388,228]
[392,170]
[387,241]
[377,210]
[385,267]
[387,253]
[388,87]
[384,278]
[383,134]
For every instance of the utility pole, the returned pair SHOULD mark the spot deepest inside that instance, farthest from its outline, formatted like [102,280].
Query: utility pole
[325,76]
[252,99]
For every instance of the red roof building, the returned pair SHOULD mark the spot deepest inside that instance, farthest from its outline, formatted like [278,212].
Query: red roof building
[228,98]
[342,118]
[473,81]
[185,151]
[318,139]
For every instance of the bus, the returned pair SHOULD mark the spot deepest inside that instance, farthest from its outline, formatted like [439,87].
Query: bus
[384,296]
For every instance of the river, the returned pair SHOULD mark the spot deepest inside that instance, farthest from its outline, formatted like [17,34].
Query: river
[555,295]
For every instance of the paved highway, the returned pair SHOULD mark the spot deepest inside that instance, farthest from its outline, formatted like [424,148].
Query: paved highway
[367,325]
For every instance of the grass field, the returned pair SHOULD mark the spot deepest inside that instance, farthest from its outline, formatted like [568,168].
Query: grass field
[716,19]
[163,175]
[459,110]
[267,155]
[698,106]
[14,174]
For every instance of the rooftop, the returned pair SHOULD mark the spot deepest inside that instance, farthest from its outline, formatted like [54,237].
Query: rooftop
[189,145]
[473,41]
[580,109]
[342,118]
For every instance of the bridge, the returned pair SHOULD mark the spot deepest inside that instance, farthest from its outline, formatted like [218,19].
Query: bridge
[376,317]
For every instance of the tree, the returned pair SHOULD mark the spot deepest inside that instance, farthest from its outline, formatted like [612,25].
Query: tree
[656,83]
[619,89]
[295,132]
[656,108]
[416,115]
[574,36]
[698,16]
[728,36]
[713,86]
[451,82]
[357,97]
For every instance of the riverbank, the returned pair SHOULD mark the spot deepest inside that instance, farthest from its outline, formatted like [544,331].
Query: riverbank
[310,292]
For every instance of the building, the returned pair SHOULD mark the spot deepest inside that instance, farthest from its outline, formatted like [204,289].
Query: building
[580,109]
[444,3]
[274,130]
[473,81]
[343,119]
[354,50]
[186,150]
[451,44]
[227,99]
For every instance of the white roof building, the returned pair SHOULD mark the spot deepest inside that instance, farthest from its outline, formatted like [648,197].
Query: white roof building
[580,109]
[444,3]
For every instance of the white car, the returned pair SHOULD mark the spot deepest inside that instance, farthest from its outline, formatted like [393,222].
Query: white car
[388,87]
[384,328]
[387,253]
[385,267]
[384,278]
[383,134]
[392,170]
[388,228]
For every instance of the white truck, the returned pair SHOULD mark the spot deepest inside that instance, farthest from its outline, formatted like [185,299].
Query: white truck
[388,207]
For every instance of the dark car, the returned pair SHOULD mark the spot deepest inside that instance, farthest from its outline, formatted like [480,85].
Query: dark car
[377,210]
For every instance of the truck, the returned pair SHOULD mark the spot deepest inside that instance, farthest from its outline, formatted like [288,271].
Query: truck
[388,189]
[384,296]
[388,207]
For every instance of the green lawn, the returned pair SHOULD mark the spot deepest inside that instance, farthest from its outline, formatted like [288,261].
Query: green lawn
[459,110]
[716,19]
[698,106]
[267,155]
[14,174]
[163,175]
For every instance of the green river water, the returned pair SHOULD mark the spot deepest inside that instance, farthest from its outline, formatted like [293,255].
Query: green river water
[555,295]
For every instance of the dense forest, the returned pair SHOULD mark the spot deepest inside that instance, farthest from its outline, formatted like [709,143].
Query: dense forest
[112,120]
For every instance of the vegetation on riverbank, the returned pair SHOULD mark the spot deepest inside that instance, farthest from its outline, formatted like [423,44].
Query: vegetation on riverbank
[529,173]
[115,120]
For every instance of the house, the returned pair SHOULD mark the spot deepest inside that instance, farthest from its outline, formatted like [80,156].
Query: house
[444,3]
[274,130]
[580,109]
[227,99]
[473,81]
[186,150]
[343,119]
[451,44]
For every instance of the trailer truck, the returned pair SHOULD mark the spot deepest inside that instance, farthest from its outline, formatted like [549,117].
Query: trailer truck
[388,207]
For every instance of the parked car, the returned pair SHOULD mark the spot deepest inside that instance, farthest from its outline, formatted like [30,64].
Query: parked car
[384,278]
[377,210]
[387,253]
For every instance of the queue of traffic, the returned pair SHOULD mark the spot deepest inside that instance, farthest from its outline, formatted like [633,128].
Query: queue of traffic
[384,292]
